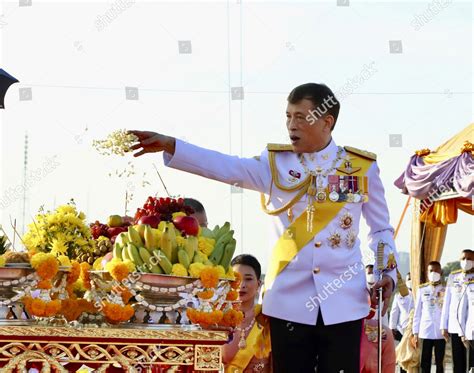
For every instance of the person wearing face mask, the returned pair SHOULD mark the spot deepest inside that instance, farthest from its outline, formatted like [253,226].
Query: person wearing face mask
[241,354]
[400,312]
[451,316]
[427,318]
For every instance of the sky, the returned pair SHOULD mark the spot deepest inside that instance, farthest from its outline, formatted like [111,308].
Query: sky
[217,74]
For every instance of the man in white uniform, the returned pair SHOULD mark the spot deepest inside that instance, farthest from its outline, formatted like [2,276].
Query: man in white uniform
[400,312]
[467,318]
[315,290]
[427,318]
[451,314]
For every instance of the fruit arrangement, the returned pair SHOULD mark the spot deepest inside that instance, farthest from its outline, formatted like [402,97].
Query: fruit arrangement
[173,243]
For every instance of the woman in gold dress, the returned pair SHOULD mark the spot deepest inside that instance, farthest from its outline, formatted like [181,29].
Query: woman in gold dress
[248,351]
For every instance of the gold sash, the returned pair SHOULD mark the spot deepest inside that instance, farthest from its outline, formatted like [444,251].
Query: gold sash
[296,236]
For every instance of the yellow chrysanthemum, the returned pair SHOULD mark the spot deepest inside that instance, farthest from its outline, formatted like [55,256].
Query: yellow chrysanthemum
[221,271]
[195,269]
[118,270]
[179,270]
[58,247]
[206,245]
[230,274]
[64,260]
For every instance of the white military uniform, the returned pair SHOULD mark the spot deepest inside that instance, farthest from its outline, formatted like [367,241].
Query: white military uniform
[400,311]
[467,312]
[319,276]
[428,306]
[451,315]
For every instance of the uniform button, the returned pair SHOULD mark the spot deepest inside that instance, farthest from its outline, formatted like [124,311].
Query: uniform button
[318,244]
[316,270]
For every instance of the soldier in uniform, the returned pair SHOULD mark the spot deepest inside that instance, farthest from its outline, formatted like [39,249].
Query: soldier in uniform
[316,191]
[450,316]
[467,315]
[427,318]
[400,312]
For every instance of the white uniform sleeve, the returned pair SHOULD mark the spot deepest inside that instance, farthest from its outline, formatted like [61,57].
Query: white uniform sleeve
[249,173]
[375,212]
[417,314]
[463,314]
[394,313]
[446,304]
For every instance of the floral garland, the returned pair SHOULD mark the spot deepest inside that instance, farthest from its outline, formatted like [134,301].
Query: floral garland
[217,307]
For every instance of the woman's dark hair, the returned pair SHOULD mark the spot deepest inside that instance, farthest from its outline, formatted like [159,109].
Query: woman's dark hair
[248,260]
[320,95]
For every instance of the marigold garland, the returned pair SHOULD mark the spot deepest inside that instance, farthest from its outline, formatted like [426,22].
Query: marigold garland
[119,270]
[85,278]
[232,318]
[46,265]
[232,295]
[236,283]
[38,307]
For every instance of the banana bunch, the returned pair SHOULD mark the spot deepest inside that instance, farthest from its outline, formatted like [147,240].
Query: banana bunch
[224,247]
[164,251]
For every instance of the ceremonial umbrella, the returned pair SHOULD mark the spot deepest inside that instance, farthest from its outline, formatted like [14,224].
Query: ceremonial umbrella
[6,80]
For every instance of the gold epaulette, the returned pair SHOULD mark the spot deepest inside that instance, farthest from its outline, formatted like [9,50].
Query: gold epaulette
[423,285]
[280,147]
[456,271]
[362,153]
[471,281]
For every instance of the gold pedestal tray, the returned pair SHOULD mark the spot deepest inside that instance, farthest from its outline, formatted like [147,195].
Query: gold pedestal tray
[132,348]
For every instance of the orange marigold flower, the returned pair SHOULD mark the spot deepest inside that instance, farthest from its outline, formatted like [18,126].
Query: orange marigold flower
[127,312]
[236,283]
[206,294]
[232,318]
[232,295]
[216,316]
[52,308]
[85,267]
[48,268]
[44,284]
[37,307]
[73,276]
[209,277]
[119,271]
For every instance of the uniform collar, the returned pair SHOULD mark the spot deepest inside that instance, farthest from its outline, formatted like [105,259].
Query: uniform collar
[324,155]
[434,284]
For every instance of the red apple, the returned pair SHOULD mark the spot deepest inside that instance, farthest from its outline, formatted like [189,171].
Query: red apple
[187,224]
[112,232]
[152,220]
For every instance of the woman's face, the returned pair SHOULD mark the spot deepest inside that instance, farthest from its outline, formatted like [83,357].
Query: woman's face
[250,284]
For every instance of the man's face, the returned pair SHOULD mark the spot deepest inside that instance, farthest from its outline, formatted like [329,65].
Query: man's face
[434,268]
[307,134]
[467,256]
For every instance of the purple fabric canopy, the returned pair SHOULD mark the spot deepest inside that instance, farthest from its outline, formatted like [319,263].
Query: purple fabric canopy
[422,180]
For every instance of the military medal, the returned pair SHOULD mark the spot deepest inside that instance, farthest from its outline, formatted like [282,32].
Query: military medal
[334,240]
[357,198]
[351,239]
[346,220]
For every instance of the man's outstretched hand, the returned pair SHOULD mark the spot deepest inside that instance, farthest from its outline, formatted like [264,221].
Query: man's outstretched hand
[152,142]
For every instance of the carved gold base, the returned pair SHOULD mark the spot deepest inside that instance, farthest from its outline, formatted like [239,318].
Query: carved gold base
[132,350]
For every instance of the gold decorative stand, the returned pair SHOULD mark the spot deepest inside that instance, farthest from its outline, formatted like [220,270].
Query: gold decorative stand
[128,349]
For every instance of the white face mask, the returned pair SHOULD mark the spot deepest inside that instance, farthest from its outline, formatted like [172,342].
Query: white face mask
[408,284]
[466,265]
[370,278]
[434,276]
